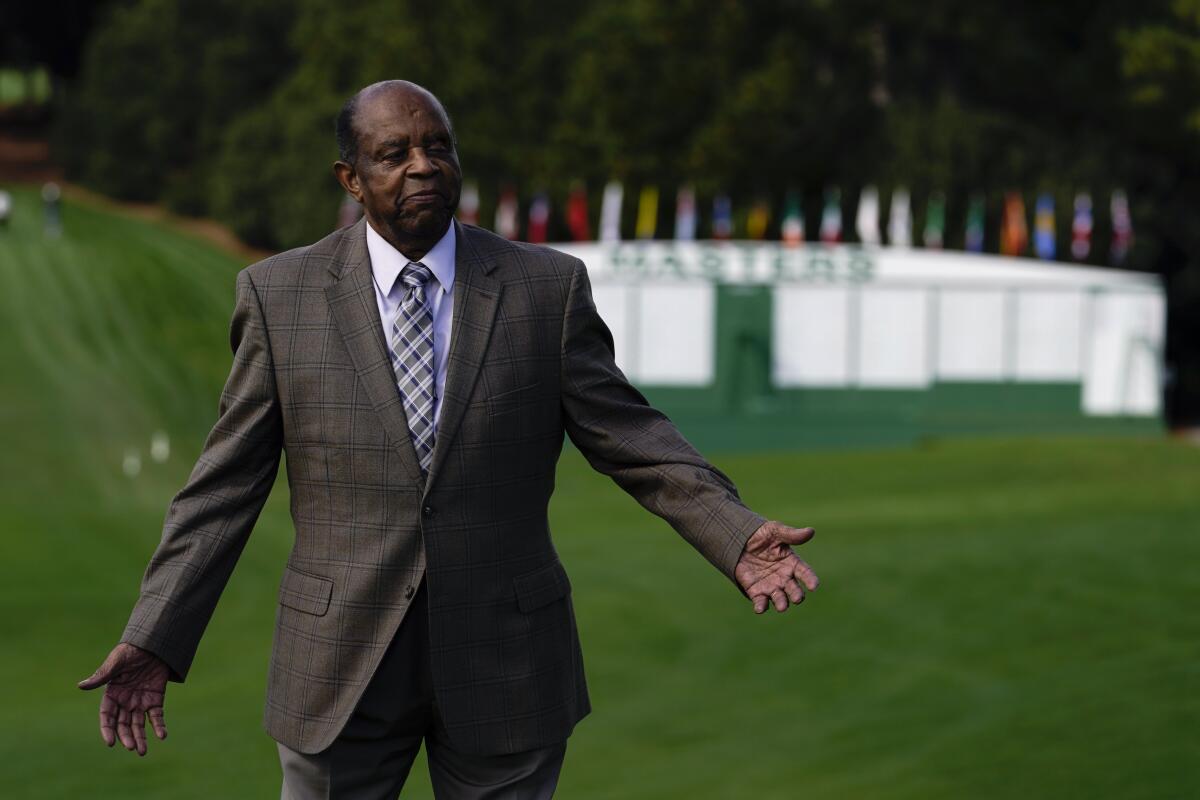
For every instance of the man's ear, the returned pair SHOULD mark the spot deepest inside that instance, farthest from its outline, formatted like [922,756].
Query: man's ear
[347,176]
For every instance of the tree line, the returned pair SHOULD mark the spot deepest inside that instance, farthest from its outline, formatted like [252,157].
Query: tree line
[225,108]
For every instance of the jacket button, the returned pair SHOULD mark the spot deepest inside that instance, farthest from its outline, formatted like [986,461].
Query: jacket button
[409,592]
[427,511]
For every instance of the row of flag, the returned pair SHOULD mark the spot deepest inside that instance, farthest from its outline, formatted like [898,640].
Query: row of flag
[1014,237]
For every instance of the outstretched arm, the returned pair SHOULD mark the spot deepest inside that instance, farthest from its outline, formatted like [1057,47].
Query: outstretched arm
[622,436]
[206,528]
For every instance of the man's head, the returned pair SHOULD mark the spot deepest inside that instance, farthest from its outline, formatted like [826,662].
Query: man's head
[398,158]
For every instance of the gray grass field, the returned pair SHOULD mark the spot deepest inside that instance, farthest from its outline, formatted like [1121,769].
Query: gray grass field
[999,618]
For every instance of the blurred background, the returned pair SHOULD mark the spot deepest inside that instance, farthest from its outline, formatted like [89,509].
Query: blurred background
[925,277]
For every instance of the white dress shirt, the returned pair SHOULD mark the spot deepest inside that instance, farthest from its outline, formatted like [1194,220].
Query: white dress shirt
[386,265]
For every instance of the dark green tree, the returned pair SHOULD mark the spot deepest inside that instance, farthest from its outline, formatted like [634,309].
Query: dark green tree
[161,81]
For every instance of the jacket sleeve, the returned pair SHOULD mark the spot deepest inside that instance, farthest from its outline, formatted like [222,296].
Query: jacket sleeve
[209,520]
[622,436]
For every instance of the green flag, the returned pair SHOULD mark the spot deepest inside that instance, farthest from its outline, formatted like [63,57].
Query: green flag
[934,234]
[793,219]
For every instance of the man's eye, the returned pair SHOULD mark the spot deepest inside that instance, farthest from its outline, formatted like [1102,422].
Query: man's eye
[396,155]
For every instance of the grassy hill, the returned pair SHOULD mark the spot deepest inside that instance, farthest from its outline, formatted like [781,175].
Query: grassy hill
[999,618]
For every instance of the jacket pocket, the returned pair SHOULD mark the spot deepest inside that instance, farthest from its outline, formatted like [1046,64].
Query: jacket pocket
[305,592]
[510,401]
[541,587]
[513,394]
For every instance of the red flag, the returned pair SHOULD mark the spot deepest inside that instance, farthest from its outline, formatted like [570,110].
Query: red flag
[539,218]
[577,214]
[1081,227]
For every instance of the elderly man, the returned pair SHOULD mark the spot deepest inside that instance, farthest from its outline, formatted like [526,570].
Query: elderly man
[420,374]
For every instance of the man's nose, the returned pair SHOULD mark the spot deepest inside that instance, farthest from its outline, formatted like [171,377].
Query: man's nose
[420,163]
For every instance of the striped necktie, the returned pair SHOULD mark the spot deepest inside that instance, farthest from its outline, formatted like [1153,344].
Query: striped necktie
[412,347]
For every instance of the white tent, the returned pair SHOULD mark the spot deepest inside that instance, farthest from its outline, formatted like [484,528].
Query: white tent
[879,317]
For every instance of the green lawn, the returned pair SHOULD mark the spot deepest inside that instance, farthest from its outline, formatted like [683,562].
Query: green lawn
[999,618]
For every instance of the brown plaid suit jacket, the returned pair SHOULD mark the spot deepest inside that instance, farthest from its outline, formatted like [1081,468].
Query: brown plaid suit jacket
[529,360]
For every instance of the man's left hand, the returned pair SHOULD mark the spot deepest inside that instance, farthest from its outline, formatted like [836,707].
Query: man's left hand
[770,572]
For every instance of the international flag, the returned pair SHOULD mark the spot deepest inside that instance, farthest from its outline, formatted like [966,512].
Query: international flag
[758,219]
[900,219]
[539,218]
[647,214]
[468,204]
[831,216]
[1122,227]
[577,213]
[792,228]
[1043,227]
[610,212]
[934,235]
[722,219]
[1014,232]
[506,214]
[685,214]
[976,222]
[1081,227]
[866,221]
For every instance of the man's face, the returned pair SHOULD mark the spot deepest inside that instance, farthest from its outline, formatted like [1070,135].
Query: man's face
[407,174]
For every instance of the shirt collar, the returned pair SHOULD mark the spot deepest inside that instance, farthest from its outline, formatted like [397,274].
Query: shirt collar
[387,262]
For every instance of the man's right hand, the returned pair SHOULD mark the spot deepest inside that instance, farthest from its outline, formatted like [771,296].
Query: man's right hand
[136,683]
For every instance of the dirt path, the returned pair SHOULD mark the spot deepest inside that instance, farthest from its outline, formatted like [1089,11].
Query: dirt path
[25,159]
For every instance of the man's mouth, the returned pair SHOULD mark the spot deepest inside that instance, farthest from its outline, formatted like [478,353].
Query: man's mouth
[422,199]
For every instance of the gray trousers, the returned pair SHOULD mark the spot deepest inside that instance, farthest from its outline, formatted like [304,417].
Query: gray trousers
[373,754]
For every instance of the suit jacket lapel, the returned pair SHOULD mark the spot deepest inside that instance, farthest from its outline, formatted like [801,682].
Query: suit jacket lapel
[352,303]
[476,297]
